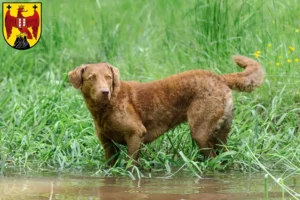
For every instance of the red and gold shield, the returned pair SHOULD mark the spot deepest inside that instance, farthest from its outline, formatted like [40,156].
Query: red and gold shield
[22,24]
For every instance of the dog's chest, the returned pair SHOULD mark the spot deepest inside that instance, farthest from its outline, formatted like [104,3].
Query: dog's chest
[108,131]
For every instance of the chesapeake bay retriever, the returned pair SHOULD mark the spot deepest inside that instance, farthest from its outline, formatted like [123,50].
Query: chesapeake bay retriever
[134,113]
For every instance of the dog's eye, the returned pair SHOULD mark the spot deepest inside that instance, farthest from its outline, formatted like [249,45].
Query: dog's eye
[91,77]
[108,77]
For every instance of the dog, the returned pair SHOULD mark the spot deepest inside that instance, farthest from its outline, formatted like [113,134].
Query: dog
[134,113]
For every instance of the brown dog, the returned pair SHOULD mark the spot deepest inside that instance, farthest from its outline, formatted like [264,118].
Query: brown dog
[133,113]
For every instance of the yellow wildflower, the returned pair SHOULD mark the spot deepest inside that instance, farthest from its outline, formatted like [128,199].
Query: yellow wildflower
[257,53]
[278,64]
[291,48]
[289,60]
[296,60]
[297,30]
[269,45]
[279,57]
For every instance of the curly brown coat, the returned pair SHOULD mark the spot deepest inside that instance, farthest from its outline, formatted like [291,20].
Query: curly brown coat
[134,113]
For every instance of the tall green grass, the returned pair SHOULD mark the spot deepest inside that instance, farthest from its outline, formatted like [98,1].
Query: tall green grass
[44,122]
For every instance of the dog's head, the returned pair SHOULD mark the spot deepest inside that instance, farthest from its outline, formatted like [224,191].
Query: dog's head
[98,82]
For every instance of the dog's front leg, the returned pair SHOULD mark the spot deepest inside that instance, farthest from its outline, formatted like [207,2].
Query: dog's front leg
[110,153]
[134,140]
[109,150]
[133,130]
[134,143]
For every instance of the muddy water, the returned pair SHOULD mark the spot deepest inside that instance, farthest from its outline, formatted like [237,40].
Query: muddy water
[218,186]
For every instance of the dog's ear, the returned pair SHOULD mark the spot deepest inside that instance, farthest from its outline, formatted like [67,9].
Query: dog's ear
[75,76]
[116,78]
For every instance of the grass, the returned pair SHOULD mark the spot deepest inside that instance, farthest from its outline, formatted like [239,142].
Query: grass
[43,120]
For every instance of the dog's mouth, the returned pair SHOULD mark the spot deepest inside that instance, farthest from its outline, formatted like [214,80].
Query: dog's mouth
[105,97]
[102,96]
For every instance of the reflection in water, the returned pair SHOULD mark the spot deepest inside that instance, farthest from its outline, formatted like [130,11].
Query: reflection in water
[210,187]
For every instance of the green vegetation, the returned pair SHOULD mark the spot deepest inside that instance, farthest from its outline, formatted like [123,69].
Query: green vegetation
[44,122]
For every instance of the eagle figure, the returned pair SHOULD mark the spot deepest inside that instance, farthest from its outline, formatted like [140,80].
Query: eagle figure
[22,23]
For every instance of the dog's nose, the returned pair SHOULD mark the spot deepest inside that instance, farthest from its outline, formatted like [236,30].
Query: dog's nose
[104,91]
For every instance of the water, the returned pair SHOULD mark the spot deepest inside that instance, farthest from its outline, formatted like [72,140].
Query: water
[217,186]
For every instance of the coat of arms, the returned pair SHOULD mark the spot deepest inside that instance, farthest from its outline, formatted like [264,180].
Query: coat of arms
[22,24]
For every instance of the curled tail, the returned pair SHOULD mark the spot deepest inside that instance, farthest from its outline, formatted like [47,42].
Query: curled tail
[247,80]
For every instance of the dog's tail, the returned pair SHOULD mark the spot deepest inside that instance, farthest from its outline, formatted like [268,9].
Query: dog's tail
[247,80]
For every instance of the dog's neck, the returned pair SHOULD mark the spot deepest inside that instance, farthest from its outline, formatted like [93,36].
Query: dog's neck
[97,108]
[98,111]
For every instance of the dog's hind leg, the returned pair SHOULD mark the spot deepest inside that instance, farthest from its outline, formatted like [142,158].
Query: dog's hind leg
[223,125]
[203,117]
[223,128]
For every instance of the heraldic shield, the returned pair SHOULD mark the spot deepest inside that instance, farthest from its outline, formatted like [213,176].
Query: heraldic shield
[22,24]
